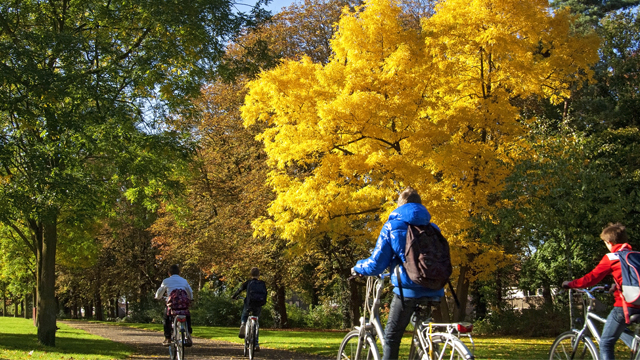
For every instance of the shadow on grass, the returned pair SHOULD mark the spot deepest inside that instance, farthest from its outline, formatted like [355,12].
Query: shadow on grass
[66,343]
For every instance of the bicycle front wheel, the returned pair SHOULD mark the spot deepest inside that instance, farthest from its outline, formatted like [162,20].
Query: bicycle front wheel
[563,348]
[446,346]
[349,347]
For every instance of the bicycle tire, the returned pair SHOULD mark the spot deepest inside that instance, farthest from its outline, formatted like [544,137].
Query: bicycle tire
[447,346]
[172,351]
[251,336]
[246,340]
[349,345]
[181,343]
[562,348]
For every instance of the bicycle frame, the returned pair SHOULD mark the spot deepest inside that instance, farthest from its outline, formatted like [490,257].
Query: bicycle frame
[426,329]
[589,327]
[374,291]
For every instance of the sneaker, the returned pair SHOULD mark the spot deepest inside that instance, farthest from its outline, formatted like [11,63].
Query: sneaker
[256,348]
[188,342]
[166,342]
[241,334]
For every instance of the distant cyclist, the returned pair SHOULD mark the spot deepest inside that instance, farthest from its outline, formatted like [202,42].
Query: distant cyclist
[179,297]
[253,302]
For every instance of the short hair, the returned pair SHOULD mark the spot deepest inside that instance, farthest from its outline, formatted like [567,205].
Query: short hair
[614,233]
[409,195]
[174,270]
[255,272]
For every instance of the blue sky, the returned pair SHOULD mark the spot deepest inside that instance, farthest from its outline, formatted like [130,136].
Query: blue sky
[276,5]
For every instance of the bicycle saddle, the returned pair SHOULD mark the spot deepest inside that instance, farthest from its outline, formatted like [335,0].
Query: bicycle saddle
[634,319]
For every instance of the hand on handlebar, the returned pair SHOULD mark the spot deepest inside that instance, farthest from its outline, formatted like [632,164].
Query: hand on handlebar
[565,284]
[354,274]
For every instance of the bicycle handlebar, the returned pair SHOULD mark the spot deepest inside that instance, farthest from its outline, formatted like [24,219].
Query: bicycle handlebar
[595,289]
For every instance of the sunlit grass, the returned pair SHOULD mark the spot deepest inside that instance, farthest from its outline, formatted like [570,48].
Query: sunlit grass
[326,343]
[18,340]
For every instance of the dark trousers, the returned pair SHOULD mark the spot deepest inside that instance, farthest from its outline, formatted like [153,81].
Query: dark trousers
[167,320]
[612,330]
[399,318]
[255,311]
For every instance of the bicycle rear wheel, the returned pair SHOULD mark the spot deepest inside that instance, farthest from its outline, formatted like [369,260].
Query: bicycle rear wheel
[173,350]
[251,338]
[349,347]
[246,339]
[181,343]
[446,346]
[562,348]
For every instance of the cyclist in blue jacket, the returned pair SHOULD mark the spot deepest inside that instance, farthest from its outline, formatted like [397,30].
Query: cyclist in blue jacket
[388,253]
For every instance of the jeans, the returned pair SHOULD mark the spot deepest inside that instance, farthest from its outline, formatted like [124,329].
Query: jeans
[399,318]
[245,315]
[612,330]
[168,320]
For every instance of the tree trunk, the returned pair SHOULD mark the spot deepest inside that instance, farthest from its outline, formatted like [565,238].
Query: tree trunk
[354,303]
[499,292]
[15,308]
[35,306]
[4,303]
[88,309]
[462,290]
[479,302]
[280,308]
[441,313]
[98,302]
[46,284]
[546,295]
[25,313]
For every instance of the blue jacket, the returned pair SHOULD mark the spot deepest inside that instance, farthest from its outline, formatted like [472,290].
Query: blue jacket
[389,250]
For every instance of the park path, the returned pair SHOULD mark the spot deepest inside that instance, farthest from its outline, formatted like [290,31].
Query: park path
[148,345]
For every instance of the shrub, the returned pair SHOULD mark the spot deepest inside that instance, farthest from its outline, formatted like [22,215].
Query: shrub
[545,321]
[323,317]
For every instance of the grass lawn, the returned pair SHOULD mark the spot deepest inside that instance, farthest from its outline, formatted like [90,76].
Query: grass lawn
[326,343]
[18,340]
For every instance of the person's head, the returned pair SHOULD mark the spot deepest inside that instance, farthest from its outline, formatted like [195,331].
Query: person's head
[409,195]
[174,270]
[614,234]
[255,272]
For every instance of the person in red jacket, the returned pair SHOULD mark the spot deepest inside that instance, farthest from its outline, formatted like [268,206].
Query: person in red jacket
[615,239]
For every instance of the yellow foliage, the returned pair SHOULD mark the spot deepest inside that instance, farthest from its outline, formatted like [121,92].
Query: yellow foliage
[396,107]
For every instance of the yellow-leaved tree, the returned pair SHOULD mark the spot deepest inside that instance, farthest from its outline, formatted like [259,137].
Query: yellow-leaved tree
[398,106]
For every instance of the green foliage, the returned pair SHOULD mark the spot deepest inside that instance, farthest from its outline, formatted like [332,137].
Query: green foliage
[535,322]
[214,309]
[323,317]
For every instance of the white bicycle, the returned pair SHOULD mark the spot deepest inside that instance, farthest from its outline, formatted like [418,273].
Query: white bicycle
[430,341]
[178,337]
[250,336]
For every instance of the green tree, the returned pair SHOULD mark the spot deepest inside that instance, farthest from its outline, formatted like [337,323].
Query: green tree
[83,86]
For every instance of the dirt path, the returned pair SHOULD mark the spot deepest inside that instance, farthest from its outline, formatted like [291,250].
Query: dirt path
[148,344]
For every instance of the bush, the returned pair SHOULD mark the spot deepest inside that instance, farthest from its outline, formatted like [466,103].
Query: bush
[546,321]
[295,316]
[323,317]
[148,311]
[213,309]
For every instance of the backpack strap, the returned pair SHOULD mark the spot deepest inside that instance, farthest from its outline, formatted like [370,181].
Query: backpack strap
[396,270]
[455,297]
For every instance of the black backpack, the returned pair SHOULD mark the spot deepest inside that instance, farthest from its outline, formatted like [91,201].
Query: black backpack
[256,293]
[428,261]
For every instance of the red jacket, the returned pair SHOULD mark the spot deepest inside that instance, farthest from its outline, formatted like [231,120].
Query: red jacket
[610,264]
